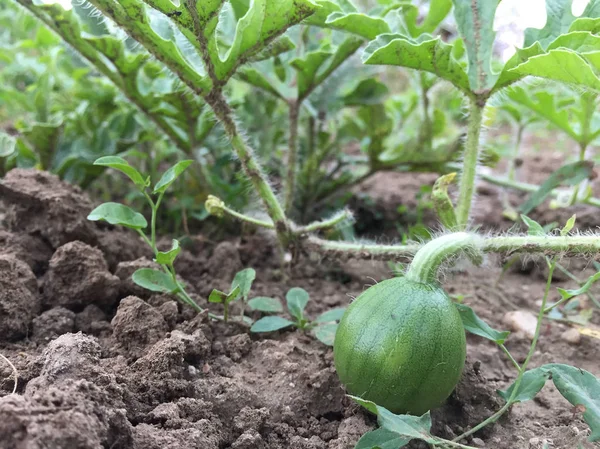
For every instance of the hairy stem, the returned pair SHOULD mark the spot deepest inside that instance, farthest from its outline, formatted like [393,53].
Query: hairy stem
[549,245]
[469,169]
[247,219]
[290,182]
[523,368]
[325,224]
[427,261]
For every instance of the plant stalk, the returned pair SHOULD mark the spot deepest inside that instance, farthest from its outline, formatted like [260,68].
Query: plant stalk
[290,185]
[523,368]
[427,261]
[549,245]
[469,169]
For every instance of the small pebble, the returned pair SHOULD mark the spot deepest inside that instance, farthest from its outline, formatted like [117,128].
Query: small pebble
[478,442]
[521,321]
[571,336]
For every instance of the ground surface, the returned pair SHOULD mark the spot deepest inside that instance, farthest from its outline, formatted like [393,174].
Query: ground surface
[103,364]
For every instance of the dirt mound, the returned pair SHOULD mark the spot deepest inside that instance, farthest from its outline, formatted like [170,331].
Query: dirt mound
[145,372]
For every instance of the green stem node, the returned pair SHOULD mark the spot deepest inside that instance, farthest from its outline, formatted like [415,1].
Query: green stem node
[427,261]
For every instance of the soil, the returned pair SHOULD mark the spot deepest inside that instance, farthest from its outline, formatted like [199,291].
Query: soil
[105,364]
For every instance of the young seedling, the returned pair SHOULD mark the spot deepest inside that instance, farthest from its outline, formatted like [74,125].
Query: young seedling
[240,288]
[164,281]
[323,327]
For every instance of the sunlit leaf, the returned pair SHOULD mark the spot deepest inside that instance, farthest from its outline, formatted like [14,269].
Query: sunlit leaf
[123,166]
[118,214]
[244,279]
[154,280]
[171,175]
[297,298]
[265,304]
[168,257]
[270,324]
[568,294]
[565,66]
[531,384]
[430,55]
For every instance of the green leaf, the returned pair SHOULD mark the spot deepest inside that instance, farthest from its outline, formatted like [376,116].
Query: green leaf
[569,225]
[325,333]
[586,24]
[168,257]
[582,389]
[477,326]
[475,20]
[564,66]
[507,75]
[357,23]
[171,175]
[217,296]
[367,92]
[533,227]
[297,298]
[438,10]
[281,45]
[123,166]
[568,294]
[558,19]
[270,324]
[264,20]
[264,304]
[315,67]
[442,203]
[331,315]
[531,384]
[406,426]
[579,41]
[545,105]
[43,138]
[257,79]
[244,279]
[381,439]
[430,55]
[570,174]
[118,214]
[7,145]
[154,280]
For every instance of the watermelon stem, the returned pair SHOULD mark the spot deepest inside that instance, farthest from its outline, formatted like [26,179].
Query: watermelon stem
[427,261]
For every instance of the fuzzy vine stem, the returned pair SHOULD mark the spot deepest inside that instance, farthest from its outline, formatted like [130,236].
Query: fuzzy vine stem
[470,160]
[549,245]
[424,267]
[290,184]
[523,367]
[328,223]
